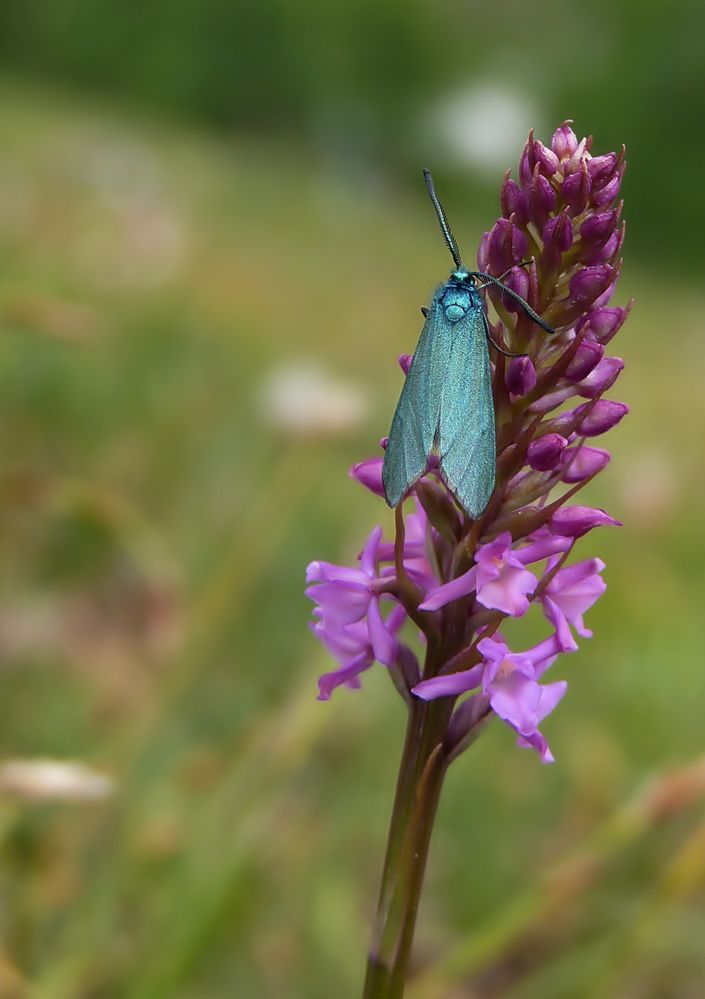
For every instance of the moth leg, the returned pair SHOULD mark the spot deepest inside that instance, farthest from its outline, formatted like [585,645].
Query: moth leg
[424,312]
[502,350]
[524,263]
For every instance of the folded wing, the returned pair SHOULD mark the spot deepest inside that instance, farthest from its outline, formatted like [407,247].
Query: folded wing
[416,417]
[466,443]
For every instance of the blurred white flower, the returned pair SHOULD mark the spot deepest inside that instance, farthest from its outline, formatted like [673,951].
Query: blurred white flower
[302,399]
[483,124]
[53,780]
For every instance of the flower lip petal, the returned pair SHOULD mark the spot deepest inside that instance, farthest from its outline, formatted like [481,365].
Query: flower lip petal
[368,556]
[457,588]
[448,685]
[384,645]
[347,674]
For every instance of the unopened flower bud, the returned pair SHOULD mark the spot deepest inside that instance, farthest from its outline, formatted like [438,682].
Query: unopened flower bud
[602,377]
[590,283]
[597,228]
[542,198]
[514,201]
[546,158]
[521,376]
[483,252]
[575,521]
[603,323]
[440,509]
[507,246]
[600,168]
[518,280]
[575,190]
[369,474]
[586,357]
[605,253]
[545,453]
[607,194]
[600,416]
[575,160]
[583,462]
[558,233]
[564,141]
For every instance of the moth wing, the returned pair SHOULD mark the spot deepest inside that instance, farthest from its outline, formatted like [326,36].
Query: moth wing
[467,446]
[413,431]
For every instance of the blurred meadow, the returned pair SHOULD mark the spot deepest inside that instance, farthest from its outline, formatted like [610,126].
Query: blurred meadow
[214,243]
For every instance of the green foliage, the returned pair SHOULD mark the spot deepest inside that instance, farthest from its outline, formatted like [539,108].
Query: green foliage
[352,78]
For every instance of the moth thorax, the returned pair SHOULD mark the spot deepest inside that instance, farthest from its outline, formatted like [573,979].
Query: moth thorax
[456,302]
[454,313]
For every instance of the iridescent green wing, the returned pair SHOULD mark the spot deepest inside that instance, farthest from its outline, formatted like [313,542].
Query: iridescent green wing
[466,443]
[415,422]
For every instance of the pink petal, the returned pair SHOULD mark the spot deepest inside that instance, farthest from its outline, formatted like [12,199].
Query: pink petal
[536,741]
[450,685]
[346,674]
[454,590]
[559,622]
[368,556]
[383,644]
[508,591]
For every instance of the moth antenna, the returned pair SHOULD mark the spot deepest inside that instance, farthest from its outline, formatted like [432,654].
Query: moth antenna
[443,220]
[534,316]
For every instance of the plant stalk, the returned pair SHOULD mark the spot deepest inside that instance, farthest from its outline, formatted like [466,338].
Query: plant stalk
[421,772]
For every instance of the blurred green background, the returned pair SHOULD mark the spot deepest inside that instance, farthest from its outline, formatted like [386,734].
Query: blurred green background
[214,241]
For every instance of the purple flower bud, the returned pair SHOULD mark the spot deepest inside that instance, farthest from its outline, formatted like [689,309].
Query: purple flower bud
[607,252]
[507,246]
[545,453]
[565,423]
[551,400]
[597,228]
[601,167]
[545,158]
[527,162]
[576,190]
[600,416]
[583,462]
[369,474]
[604,323]
[521,376]
[405,362]
[483,261]
[602,377]
[575,521]
[577,157]
[590,282]
[542,198]
[607,194]
[535,152]
[518,280]
[586,357]
[514,201]
[440,509]
[558,233]
[564,141]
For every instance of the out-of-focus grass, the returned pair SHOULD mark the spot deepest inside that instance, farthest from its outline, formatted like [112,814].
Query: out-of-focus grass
[152,622]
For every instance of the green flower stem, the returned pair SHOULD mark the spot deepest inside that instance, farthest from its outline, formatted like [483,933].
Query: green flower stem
[421,772]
